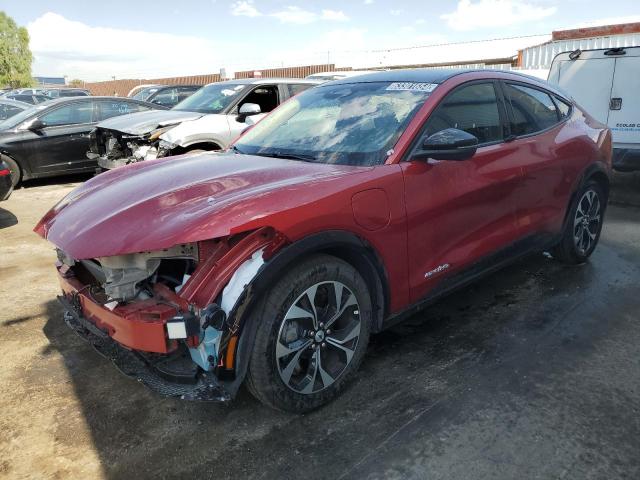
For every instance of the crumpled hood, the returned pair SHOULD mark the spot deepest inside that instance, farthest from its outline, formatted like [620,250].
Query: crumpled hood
[140,123]
[160,203]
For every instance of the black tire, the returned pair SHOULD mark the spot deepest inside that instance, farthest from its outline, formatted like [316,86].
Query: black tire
[14,168]
[581,233]
[265,378]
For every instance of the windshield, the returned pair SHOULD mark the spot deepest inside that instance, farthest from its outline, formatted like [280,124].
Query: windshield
[16,120]
[211,98]
[348,124]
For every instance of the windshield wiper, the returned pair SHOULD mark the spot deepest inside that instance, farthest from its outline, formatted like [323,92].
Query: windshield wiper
[289,156]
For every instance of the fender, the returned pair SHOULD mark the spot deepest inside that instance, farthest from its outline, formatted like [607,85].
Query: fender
[342,244]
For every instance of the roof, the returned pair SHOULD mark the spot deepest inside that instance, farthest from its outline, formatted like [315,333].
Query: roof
[17,103]
[266,81]
[425,75]
[599,31]
[55,101]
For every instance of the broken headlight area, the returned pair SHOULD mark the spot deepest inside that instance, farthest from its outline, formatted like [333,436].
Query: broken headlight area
[125,278]
[165,148]
[114,149]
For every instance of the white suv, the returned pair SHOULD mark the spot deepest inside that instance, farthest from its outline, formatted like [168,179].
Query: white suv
[208,120]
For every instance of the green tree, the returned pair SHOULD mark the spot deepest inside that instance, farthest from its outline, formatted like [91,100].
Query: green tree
[76,83]
[15,56]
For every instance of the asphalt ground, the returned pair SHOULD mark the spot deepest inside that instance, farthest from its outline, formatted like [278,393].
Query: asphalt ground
[533,372]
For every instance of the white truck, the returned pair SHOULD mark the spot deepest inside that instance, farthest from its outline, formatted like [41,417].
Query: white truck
[606,83]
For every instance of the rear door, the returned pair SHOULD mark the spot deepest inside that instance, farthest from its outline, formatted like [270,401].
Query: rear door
[536,119]
[461,211]
[589,82]
[624,113]
[63,143]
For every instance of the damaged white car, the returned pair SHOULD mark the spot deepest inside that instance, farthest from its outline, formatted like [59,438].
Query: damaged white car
[208,120]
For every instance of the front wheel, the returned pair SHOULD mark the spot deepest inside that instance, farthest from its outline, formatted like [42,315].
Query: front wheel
[584,224]
[313,331]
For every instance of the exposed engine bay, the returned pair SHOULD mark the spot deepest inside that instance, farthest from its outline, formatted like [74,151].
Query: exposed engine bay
[124,278]
[113,149]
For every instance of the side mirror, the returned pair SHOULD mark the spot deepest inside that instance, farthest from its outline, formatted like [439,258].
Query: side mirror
[36,125]
[448,144]
[248,109]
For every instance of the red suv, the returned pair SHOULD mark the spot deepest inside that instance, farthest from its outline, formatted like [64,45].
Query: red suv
[347,208]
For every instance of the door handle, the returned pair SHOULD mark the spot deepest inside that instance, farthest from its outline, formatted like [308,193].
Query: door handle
[615,103]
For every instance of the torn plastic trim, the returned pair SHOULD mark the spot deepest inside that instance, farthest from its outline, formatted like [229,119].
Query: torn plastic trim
[240,279]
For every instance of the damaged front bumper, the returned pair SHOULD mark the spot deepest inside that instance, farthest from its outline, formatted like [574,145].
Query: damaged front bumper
[174,375]
[180,341]
[113,149]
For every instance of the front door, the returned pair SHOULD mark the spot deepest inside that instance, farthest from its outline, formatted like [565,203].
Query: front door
[63,142]
[461,211]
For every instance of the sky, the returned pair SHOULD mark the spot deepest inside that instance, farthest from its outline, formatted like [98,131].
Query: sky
[96,41]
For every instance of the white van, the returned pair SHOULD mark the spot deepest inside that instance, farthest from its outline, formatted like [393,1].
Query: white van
[606,83]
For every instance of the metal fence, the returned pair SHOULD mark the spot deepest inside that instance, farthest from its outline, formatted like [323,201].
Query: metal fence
[122,87]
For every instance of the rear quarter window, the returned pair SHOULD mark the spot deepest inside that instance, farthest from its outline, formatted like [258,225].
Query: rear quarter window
[564,108]
[533,110]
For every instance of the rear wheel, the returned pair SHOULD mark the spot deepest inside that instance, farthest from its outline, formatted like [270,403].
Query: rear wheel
[584,225]
[314,327]
[14,168]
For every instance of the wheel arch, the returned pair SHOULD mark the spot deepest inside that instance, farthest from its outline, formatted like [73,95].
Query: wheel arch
[344,245]
[22,170]
[207,145]
[595,171]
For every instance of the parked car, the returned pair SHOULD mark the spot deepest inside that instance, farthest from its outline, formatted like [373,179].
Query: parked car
[52,138]
[327,76]
[32,99]
[67,92]
[208,120]
[9,108]
[605,82]
[170,96]
[347,208]
[6,186]
[141,92]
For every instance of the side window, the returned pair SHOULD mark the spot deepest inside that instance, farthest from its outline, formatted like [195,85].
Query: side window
[114,108]
[184,92]
[296,88]
[168,97]
[533,110]
[472,108]
[74,113]
[7,111]
[265,95]
[564,108]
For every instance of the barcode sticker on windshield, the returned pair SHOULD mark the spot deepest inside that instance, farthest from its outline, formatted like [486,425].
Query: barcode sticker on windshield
[411,86]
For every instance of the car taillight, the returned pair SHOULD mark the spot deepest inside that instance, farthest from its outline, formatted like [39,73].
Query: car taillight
[4,172]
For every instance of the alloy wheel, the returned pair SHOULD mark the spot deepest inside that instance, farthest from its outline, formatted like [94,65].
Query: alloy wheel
[586,222]
[318,337]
